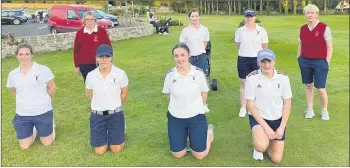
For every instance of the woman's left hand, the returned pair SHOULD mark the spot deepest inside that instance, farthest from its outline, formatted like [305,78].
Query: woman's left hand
[279,132]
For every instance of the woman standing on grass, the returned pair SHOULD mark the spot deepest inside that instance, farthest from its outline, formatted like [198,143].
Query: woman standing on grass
[250,39]
[87,40]
[187,89]
[268,95]
[33,86]
[196,37]
[314,57]
[107,88]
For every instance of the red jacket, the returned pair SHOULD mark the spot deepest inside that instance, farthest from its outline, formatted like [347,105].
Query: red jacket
[85,45]
[313,44]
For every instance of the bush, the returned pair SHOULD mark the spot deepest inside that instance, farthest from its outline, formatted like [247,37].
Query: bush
[256,21]
[173,22]
[117,12]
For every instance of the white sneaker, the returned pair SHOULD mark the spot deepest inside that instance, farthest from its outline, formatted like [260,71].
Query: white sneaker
[258,155]
[165,33]
[324,115]
[309,114]
[242,112]
[160,33]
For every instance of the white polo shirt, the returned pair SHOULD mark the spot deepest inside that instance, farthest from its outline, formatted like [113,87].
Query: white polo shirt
[185,92]
[250,41]
[268,94]
[31,90]
[106,92]
[195,38]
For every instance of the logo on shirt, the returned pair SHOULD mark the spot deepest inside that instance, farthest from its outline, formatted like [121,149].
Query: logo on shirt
[114,80]
[257,33]
[96,38]
[36,76]
[259,86]
[316,33]
[174,81]
[278,85]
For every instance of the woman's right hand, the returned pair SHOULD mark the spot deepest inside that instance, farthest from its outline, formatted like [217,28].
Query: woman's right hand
[77,71]
[270,133]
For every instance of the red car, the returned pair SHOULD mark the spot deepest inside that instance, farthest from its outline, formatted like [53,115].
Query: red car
[69,18]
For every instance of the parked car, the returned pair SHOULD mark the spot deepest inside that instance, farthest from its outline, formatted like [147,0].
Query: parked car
[69,18]
[13,17]
[110,17]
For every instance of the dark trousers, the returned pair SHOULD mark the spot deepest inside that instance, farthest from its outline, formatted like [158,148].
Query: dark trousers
[85,69]
[155,24]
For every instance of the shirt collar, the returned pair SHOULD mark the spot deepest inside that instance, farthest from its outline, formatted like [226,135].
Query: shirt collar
[256,28]
[177,74]
[200,26]
[273,76]
[86,31]
[98,73]
[33,67]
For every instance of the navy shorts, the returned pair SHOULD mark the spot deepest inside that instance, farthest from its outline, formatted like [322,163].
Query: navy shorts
[85,69]
[195,127]
[24,125]
[246,65]
[200,61]
[313,70]
[274,124]
[107,129]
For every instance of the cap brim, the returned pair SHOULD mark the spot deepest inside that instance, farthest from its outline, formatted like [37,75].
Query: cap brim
[104,54]
[249,15]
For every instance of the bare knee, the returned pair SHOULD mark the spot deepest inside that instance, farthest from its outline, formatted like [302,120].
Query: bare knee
[26,143]
[117,148]
[309,86]
[260,147]
[47,141]
[24,146]
[322,91]
[276,159]
[101,150]
[179,154]
[242,85]
[200,155]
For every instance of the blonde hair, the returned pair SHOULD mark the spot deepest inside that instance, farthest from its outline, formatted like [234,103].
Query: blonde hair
[311,7]
[88,13]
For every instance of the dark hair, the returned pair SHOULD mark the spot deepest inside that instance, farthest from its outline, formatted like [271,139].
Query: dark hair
[181,45]
[24,45]
[194,10]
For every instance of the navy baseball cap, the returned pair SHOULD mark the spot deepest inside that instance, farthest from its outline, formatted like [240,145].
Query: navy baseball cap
[249,12]
[104,50]
[266,54]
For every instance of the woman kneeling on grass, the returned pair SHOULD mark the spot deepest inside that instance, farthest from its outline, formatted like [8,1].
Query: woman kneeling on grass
[187,89]
[268,95]
[34,87]
[107,88]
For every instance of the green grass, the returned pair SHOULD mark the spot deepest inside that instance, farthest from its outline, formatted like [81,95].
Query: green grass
[146,60]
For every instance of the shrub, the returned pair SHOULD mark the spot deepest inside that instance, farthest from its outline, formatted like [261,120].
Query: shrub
[173,22]
[117,12]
